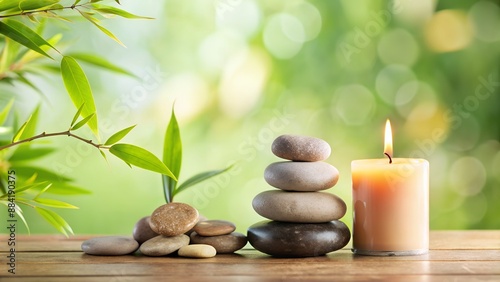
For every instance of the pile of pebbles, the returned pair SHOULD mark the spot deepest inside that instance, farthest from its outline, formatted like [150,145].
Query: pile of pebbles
[172,228]
[303,221]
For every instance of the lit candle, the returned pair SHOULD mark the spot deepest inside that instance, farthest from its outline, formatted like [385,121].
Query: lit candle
[390,204]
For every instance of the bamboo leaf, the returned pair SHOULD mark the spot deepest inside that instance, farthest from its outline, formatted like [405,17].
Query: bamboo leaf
[19,213]
[26,153]
[9,54]
[199,178]
[116,11]
[103,155]
[100,62]
[82,122]
[79,89]
[21,78]
[5,111]
[8,4]
[22,34]
[119,135]
[26,171]
[31,186]
[78,112]
[172,155]
[42,191]
[55,220]
[66,189]
[76,2]
[30,129]
[94,21]
[54,203]
[19,132]
[27,5]
[140,157]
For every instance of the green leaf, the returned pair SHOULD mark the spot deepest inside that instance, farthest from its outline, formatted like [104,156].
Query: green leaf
[140,157]
[27,5]
[79,90]
[31,186]
[103,155]
[26,153]
[23,79]
[30,129]
[77,114]
[19,213]
[119,135]
[55,220]
[25,171]
[19,132]
[76,2]
[116,11]
[172,155]
[43,191]
[199,178]
[5,111]
[82,122]
[94,21]
[9,54]
[55,203]
[22,34]
[67,189]
[100,62]
[8,4]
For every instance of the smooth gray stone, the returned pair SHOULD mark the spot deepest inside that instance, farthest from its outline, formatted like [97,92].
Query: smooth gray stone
[142,231]
[110,246]
[301,176]
[282,239]
[301,148]
[214,227]
[224,244]
[163,245]
[303,207]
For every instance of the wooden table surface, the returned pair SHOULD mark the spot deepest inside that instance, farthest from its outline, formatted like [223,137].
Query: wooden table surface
[454,256]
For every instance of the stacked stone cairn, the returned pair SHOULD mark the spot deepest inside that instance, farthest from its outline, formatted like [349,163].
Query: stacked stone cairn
[172,228]
[304,222]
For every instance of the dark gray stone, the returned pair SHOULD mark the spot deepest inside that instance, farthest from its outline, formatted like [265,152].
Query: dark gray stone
[282,239]
[301,176]
[110,246]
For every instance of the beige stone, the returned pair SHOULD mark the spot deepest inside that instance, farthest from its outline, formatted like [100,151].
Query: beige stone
[197,251]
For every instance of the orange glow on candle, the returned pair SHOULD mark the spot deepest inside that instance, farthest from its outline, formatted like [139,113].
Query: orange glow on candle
[388,140]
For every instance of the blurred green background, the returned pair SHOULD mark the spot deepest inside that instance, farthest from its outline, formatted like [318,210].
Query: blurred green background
[244,72]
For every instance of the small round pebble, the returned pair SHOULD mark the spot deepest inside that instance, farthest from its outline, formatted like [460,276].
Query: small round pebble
[173,219]
[304,207]
[214,227]
[301,148]
[223,244]
[142,231]
[110,246]
[197,251]
[301,176]
[162,245]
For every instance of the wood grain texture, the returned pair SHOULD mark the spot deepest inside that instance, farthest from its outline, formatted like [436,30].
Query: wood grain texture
[454,256]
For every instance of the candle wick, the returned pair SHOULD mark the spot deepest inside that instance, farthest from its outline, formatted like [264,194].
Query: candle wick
[390,159]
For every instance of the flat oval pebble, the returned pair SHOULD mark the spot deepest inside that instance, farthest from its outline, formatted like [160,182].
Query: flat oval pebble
[197,251]
[223,244]
[163,245]
[173,219]
[142,230]
[303,207]
[301,148]
[301,176]
[282,239]
[214,227]
[200,218]
[110,246]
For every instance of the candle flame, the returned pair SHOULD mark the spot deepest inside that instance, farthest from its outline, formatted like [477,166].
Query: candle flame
[388,139]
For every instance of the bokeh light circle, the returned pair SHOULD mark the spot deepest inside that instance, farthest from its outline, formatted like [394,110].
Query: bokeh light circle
[448,30]
[467,176]
[308,15]
[485,18]
[354,103]
[283,36]
[390,80]
[398,46]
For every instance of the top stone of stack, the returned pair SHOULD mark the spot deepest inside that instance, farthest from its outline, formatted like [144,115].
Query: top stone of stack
[301,148]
